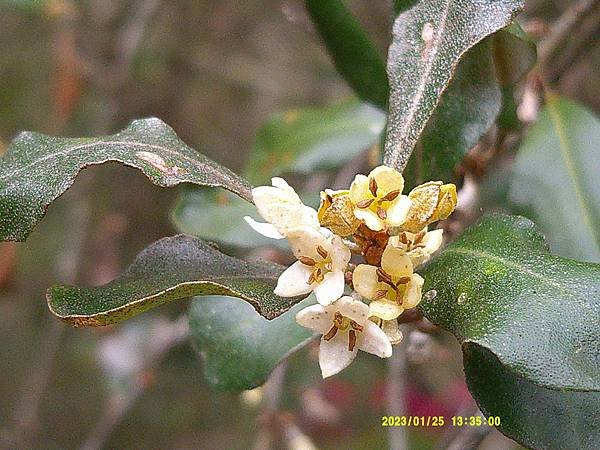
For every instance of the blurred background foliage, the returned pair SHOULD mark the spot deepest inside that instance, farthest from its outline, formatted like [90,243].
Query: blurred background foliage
[242,82]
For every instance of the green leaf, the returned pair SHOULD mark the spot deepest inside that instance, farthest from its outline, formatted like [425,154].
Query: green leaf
[354,55]
[311,139]
[528,324]
[556,176]
[428,42]
[466,111]
[37,169]
[239,347]
[171,269]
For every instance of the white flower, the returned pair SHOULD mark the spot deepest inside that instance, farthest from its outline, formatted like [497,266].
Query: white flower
[346,329]
[322,261]
[377,198]
[393,287]
[418,246]
[283,210]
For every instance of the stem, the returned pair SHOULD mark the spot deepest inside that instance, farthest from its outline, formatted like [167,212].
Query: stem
[396,405]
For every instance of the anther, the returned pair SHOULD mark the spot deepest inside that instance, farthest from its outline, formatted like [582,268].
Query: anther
[381,213]
[351,340]
[306,260]
[391,196]
[331,333]
[365,203]
[321,251]
[373,186]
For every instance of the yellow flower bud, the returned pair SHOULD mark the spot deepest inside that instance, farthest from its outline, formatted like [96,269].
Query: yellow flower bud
[431,202]
[336,212]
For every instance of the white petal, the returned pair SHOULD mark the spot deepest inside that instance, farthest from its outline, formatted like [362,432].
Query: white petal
[359,189]
[316,318]
[331,288]
[374,340]
[353,309]
[339,252]
[293,281]
[387,179]
[371,219]
[305,240]
[433,240]
[412,296]
[266,229]
[385,309]
[398,211]
[282,184]
[396,262]
[364,280]
[334,355]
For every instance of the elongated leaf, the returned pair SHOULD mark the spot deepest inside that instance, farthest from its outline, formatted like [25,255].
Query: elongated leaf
[239,347]
[556,176]
[354,55]
[37,169]
[466,111]
[428,42]
[528,323]
[310,139]
[171,269]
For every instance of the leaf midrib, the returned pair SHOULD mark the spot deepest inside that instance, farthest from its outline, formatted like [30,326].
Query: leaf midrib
[433,51]
[513,265]
[70,150]
[569,160]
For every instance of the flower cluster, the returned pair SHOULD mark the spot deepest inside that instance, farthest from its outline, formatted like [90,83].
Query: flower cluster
[373,219]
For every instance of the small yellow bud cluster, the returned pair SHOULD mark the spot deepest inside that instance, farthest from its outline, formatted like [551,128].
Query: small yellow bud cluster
[372,219]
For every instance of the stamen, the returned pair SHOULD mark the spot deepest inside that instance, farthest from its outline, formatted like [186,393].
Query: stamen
[381,213]
[351,340]
[356,326]
[382,275]
[403,238]
[331,333]
[419,237]
[365,203]
[403,280]
[373,186]
[319,277]
[391,196]
[306,260]
[321,251]
[380,294]
[311,278]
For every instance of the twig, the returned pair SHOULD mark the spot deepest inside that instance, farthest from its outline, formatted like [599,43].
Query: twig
[395,396]
[272,395]
[119,405]
[563,31]
[26,412]
[131,35]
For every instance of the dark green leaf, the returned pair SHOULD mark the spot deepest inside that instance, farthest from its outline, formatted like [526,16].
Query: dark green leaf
[309,139]
[402,5]
[170,269]
[428,42]
[466,111]
[37,169]
[528,323]
[239,347]
[556,176]
[354,55]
